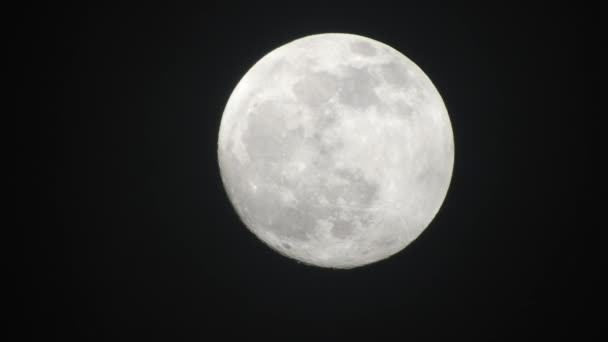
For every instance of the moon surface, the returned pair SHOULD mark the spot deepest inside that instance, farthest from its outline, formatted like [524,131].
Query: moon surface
[336,150]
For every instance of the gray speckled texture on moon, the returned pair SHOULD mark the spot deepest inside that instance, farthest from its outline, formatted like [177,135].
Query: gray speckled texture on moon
[336,150]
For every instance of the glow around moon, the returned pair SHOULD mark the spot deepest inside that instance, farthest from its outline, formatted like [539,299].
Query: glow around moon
[336,150]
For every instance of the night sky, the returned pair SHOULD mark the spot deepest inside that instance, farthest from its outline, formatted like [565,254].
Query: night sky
[132,237]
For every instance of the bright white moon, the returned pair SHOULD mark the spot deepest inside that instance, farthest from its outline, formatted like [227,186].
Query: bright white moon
[336,150]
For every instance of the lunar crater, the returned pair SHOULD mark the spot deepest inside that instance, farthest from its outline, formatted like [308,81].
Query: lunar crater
[316,88]
[363,48]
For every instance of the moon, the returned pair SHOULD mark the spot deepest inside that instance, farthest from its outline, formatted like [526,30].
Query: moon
[336,150]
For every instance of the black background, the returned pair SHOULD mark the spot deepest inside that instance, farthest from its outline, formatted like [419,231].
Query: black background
[132,236]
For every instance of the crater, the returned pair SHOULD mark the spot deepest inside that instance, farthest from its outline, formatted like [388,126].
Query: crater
[316,88]
[291,223]
[396,74]
[356,191]
[385,243]
[431,177]
[342,229]
[296,222]
[363,48]
[262,139]
[358,88]
[402,109]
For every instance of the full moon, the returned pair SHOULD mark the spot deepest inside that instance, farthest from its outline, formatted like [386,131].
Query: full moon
[336,150]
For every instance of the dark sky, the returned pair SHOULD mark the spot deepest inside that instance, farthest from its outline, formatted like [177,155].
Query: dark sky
[132,237]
